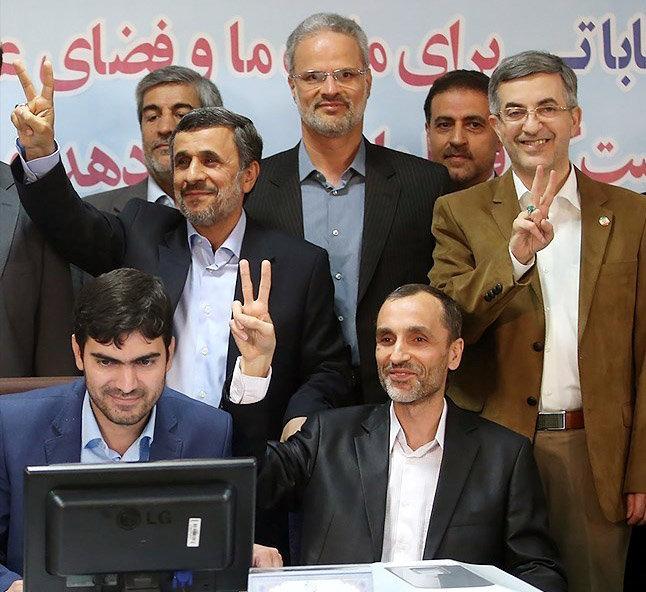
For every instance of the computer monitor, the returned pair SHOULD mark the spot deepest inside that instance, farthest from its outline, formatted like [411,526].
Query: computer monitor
[169,525]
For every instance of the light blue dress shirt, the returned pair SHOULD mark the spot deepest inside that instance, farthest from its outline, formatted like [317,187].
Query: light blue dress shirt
[333,219]
[155,194]
[201,320]
[94,448]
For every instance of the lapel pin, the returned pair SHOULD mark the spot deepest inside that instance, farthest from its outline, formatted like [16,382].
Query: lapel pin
[604,220]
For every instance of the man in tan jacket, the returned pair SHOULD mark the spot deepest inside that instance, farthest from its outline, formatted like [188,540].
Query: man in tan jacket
[550,268]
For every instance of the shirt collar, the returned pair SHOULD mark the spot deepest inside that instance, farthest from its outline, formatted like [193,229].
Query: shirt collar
[569,191]
[396,429]
[233,242]
[305,166]
[91,434]
[155,192]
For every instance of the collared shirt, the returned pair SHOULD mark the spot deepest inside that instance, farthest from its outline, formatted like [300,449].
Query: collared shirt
[559,266]
[94,448]
[156,194]
[412,483]
[333,219]
[201,320]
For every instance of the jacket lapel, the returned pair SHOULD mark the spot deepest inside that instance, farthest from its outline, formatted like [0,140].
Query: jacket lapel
[594,239]
[175,261]
[8,218]
[285,182]
[460,450]
[381,199]
[65,444]
[166,445]
[373,459]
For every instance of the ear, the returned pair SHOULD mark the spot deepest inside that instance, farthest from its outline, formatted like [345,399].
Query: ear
[249,176]
[577,115]
[292,87]
[369,82]
[455,353]
[171,354]
[495,124]
[78,356]
[427,128]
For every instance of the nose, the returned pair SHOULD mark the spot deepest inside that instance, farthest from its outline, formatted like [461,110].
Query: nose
[330,86]
[457,136]
[165,124]
[399,353]
[194,172]
[531,123]
[127,379]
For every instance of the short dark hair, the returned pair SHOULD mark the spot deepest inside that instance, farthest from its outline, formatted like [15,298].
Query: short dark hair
[247,139]
[456,79]
[205,89]
[451,313]
[528,63]
[118,303]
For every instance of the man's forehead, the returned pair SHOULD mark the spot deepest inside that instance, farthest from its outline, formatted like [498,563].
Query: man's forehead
[171,93]
[326,45]
[215,139]
[533,88]
[128,343]
[460,102]
[418,310]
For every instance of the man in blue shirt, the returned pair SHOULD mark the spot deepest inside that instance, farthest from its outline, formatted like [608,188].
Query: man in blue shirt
[121,411]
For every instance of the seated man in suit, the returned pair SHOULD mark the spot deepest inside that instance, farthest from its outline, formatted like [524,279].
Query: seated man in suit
[417,478]
[458,132]
[121,411]
[370,207]
[163,97]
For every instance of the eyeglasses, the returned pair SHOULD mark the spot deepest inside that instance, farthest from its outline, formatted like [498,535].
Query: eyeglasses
[343,76]
[542,112]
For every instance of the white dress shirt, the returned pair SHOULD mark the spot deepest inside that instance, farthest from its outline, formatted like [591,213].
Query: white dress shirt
[559,266]
[412,483]
[155,194]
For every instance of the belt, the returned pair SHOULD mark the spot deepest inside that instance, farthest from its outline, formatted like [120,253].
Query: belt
[560,420]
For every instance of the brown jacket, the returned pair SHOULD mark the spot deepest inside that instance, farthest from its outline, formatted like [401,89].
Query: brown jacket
[504,328]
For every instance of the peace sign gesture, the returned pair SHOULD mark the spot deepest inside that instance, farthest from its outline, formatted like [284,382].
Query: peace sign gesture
[251,325]
[34,120]
[531,230]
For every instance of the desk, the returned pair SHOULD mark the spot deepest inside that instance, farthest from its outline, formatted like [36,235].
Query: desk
[381,577]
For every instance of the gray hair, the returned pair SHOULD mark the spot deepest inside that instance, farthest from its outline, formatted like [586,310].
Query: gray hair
[326,21]
[247,139]
[207,91]
[527,63]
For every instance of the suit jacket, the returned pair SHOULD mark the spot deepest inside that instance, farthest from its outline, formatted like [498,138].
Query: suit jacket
[489,506]
[115,200]
[35,295]
[501,370]
[397,244]
[184,428]
[310,369]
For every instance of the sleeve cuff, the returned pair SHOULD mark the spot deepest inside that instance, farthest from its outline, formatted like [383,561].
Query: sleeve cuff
[245,390]
[39,167]
[520,269]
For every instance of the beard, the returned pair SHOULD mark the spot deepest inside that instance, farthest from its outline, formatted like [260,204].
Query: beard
[223,203]
[161,173]
[104,401]
[332,126]
[425,384]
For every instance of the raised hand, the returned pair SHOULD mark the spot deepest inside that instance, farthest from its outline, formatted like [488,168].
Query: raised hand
[34,120]
[531,230]
[251,325]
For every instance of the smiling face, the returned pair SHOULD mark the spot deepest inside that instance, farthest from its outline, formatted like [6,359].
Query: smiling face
[414,350]
[460,137]
[124,383]
[162,108]
[532,141]
[209,187]
[330,109]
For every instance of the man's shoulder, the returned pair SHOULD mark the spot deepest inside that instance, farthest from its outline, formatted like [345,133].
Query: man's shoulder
[377,155]
[6,181]
[187,409]
[280,160]
[353,419]
[281,243]
[482,193]
[38,402]
[116,199]
[618,196]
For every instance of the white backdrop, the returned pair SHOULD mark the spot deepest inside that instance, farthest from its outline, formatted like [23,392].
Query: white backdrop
[101,49]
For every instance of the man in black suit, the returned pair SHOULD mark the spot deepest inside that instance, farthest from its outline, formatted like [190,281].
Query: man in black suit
[35,294]
[369,206]
[418,478]
[163,97]
[195,250]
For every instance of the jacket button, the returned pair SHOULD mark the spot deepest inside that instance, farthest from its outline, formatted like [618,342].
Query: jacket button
[497,289]
[488,297]
[538,346]
[532,401]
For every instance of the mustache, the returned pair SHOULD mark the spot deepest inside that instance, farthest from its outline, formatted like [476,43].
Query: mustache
[453,152]
[115,392]
[200,186]
[336,97]
[403,366]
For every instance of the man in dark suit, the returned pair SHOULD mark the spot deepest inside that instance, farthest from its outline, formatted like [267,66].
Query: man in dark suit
[35,294]
[120,412]
[418,478]
[369,206]
[163,97]
[458,132]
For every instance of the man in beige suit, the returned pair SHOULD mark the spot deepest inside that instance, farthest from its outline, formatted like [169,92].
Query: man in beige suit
[550,268]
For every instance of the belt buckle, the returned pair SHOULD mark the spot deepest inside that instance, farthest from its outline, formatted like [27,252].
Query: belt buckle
[553,421]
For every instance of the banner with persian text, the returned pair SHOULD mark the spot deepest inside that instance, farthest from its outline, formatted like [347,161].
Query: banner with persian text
[101,49]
